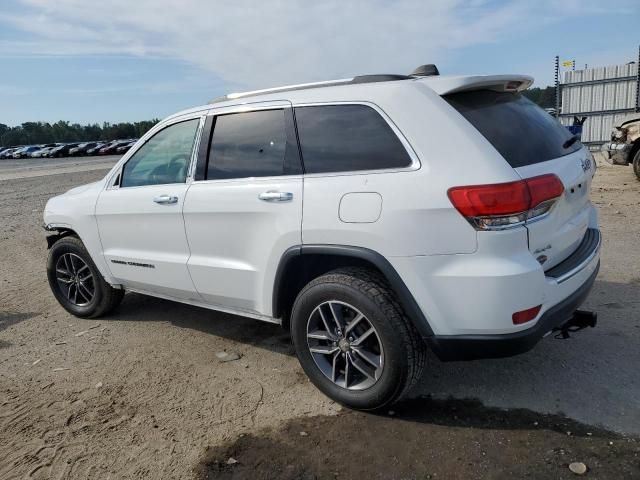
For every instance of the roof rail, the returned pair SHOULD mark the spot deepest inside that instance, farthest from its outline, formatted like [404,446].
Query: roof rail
[305,86]
[422,71]
[286,88]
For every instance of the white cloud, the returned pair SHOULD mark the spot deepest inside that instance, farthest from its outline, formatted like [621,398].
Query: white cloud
[257,44]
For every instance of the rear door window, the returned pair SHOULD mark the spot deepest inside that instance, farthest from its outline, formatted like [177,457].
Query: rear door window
[521,131]
[248,144]
[347,138]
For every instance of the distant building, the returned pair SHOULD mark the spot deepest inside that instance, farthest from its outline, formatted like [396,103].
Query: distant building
[602,94]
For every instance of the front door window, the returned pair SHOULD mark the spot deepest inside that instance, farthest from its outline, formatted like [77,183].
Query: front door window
[164,158]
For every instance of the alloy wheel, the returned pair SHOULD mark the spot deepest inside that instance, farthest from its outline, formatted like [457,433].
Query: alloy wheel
[75,279]
[345,345]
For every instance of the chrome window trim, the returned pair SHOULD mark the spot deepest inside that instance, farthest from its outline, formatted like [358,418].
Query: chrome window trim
[269,179]
[245,108]
[250,107]
[194,150]
[415,161]
[111,183]
[117,169]
[275,104]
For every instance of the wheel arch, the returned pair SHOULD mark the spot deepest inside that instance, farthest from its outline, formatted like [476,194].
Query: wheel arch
[56,232]
[302,263]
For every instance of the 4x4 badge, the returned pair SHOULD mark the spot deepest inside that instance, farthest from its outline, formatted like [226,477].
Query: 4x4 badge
[586,164]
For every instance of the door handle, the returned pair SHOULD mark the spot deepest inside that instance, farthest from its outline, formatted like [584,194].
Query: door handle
[166,199]
[273,196]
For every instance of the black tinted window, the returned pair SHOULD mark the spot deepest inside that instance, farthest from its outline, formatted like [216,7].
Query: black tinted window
[521,131]
[341,138]
[251,144]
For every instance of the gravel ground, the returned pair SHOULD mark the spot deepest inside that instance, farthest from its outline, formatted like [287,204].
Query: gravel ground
[141,393]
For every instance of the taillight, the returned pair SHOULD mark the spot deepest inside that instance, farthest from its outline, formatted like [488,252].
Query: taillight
[505,205]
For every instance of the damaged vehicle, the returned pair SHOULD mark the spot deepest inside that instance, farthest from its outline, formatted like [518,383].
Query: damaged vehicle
[336,210]
[624,148]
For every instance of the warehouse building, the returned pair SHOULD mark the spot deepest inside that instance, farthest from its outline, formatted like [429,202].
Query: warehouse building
[603,94]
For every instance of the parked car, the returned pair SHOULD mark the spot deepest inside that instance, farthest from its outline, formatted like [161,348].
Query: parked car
[82,148]
[111,149]
[25,152]
[42,152]
[5,151]
[62,150]
[96,150]
[8,153]
[125,148]
[624,147]
[442,212]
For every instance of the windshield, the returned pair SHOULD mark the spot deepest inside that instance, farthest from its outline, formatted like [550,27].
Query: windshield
[521,131]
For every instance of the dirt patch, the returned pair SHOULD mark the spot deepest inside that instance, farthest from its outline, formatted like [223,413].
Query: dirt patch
[141,393]
[423,439]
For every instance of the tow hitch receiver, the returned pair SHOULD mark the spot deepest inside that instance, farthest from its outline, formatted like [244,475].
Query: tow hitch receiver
[580,319]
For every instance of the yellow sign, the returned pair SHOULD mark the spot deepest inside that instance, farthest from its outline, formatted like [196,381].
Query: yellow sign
[567,63]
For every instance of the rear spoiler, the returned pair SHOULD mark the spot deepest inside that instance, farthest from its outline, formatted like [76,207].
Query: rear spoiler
[497,83]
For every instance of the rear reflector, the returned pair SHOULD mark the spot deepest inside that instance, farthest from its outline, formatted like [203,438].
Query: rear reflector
[525,315]
[502,205]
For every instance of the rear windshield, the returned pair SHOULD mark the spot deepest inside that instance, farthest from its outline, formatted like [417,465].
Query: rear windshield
[521,131]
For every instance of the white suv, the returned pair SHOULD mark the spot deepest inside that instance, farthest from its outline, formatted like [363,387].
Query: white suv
[372,216]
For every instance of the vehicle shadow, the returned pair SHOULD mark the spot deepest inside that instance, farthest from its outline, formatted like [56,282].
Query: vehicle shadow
[8,319]
[590,377]
[141,308]
[472,413]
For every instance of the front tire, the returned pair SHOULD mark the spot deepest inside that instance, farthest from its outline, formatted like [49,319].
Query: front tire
[353,340]
[77,283]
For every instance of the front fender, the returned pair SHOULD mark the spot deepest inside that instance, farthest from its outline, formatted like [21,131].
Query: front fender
[73,213]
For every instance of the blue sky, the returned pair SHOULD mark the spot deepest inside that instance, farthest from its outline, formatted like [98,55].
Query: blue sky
[127,60]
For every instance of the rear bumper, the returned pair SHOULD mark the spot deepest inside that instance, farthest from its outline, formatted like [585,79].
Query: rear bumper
[472,347]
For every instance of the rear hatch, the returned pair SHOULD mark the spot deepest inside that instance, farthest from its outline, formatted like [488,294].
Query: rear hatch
[534,143]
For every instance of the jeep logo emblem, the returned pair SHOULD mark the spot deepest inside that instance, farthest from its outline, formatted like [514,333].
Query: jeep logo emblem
[586,164]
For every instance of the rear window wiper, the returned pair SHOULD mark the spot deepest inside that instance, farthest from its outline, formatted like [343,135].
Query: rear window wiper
[571,141]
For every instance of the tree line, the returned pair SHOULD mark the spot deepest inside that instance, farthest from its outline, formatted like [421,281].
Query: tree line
[545,97]
[33,133]
[30,133]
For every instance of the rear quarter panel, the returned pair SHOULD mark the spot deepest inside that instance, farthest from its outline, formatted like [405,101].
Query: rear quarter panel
[417,217]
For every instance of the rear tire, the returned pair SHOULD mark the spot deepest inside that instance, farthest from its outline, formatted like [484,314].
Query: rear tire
[636,164]
[77,283]
[329,320]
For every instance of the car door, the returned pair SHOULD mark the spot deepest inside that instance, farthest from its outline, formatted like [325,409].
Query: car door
[244,208]
[139,214]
